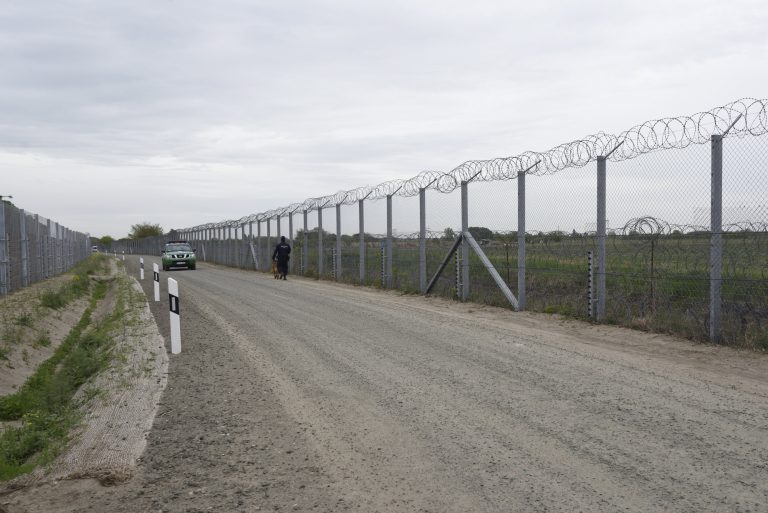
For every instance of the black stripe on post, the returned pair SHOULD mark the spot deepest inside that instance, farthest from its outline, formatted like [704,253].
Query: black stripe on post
[174,304]
[157,276]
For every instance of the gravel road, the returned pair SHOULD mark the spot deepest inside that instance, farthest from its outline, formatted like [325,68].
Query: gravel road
[301,395]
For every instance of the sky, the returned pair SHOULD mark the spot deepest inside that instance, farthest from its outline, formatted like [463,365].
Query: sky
[181,113]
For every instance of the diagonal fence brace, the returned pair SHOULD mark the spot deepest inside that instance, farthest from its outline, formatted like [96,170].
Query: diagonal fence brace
[445,261]
[492,270]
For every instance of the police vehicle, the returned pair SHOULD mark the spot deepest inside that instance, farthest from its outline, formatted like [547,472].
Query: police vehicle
[178,253]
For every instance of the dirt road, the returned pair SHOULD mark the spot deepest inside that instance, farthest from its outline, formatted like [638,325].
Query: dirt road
[307,396]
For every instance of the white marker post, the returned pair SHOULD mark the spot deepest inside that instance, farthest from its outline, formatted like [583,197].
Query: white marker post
[141,267]
[173,301]
[157,281]
[123,255]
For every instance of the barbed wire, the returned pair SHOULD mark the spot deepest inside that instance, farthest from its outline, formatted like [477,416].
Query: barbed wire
[749,114]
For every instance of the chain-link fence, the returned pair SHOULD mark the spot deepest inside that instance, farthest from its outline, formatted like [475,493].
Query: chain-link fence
[663,227]
[33,248]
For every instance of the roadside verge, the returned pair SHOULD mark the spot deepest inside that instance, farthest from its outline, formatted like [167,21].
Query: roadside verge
[117,406]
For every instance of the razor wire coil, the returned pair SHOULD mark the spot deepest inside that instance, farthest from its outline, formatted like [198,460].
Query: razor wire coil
[658,134]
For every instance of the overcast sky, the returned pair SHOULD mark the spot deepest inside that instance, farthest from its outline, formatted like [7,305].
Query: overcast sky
[186,112]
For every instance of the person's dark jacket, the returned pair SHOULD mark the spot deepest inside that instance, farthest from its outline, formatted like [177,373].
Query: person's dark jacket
[282,252]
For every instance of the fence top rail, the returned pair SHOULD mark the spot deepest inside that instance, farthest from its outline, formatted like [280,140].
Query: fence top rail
[744,117]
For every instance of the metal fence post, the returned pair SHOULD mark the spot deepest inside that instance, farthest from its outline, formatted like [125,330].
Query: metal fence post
[361,222]
[52,248]
[590,298]
[521,240]
[70,254]
[464,243]
[47,244]
[64,253]
[388,250]
[240,245]
[337,256]
[38,275]
[4,285]
[64,249]
[258,242]
[716,239]
[24,249]
[305,246]
[230,245]
[269,243]
[422,240]
[601,263]
[320,242]
[57,250]
[290,239]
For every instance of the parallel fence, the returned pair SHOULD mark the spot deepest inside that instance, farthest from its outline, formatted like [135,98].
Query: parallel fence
[33,248]
[667,232]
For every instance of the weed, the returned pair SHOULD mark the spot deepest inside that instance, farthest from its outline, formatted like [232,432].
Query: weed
[78,286]
[53,299]
[10,336]
[24,319]
[36,441]
[91,392]
[43,340]
[757,338]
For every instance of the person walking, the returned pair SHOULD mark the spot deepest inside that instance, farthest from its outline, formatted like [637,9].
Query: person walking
[281,255]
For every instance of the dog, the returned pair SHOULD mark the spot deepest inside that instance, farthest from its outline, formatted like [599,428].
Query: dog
[275,272]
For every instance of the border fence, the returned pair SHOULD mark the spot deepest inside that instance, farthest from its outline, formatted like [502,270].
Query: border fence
[33,248]
[666,229]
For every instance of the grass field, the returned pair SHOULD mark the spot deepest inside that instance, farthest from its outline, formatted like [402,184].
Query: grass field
[660,285]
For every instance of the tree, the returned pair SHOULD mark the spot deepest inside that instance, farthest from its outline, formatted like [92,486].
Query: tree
[505,237]
[480,232]
[106,240]
[312,237]
[449,234]
[145,229]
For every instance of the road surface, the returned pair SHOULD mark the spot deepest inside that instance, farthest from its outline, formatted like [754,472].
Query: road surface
[301,395]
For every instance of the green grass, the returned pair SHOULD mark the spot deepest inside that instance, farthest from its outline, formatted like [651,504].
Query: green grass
[660,286]
[45,404]
[77,286]
[53,299]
